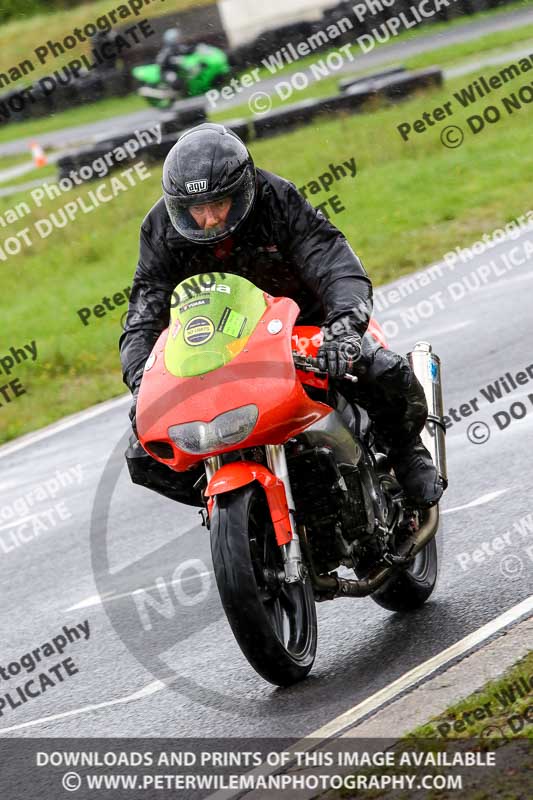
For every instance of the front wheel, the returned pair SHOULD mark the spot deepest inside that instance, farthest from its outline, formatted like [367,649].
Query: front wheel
[273,622]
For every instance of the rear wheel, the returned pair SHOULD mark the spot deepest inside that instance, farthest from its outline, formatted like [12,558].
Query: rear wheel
[410,588]
[273,622]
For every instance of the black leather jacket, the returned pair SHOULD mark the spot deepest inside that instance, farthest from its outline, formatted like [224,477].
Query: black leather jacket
[285,247]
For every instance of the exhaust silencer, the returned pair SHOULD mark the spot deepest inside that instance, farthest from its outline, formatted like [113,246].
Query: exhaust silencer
[426,366]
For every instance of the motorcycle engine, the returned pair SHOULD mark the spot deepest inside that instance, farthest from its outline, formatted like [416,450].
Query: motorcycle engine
[329,502]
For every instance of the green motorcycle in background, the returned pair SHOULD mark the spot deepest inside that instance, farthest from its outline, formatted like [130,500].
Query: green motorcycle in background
[194,74]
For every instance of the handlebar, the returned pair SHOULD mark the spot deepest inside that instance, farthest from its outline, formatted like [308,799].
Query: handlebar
[310,364]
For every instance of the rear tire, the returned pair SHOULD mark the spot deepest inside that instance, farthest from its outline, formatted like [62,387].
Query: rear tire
[410,589]
[273,622]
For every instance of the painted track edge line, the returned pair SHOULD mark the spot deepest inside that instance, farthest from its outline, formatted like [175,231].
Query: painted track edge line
[409,679]
[145,691]
[61,425]
[406,682]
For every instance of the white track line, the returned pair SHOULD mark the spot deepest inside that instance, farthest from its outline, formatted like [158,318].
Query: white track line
[146,691]
[349,718]
[391,692]
[62,425]
[423,671]
[479,501]
[97,599]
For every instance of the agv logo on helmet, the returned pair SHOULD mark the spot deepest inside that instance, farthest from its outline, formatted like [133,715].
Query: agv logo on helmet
[193,187]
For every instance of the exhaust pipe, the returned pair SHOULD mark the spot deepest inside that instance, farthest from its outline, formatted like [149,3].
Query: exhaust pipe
[426,366]
[332,586]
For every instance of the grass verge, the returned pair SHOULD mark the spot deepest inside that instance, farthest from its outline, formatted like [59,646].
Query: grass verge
[409,204]
[502,709]
[498,717]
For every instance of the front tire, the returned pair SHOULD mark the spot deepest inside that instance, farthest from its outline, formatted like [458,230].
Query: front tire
[273,622]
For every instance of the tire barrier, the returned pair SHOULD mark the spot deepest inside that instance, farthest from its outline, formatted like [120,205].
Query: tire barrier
[189,112]
[249,54]
[49,97]
[282,119]
[86,158]
[242,127]
[103,152]
[347,83]
[396,87]
[387,85]
[391,87]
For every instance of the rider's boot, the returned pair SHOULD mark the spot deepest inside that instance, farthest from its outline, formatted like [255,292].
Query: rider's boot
[416,473]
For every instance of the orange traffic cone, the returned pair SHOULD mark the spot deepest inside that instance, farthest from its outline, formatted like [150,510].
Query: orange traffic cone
[38,155]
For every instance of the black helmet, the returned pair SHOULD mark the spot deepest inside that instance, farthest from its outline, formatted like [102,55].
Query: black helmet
[208,163]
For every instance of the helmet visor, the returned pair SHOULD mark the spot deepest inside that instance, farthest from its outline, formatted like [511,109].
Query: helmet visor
[210,219]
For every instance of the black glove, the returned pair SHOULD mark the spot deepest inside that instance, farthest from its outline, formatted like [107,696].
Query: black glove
[337,355]
[133,411]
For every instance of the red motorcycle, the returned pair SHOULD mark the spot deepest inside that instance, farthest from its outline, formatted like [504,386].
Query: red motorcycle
[294,487]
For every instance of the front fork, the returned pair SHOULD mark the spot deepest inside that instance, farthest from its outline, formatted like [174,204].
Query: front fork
[292,553]
[277,463]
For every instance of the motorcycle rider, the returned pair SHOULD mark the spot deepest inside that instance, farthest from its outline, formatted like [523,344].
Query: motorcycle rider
[219,213]
[168,57]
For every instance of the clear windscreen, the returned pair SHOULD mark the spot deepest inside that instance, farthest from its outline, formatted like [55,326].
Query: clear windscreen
[211,318]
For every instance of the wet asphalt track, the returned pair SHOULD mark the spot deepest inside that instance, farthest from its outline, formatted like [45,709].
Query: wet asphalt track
[362,648]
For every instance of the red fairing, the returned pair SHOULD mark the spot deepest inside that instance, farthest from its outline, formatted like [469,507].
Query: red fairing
[263,374]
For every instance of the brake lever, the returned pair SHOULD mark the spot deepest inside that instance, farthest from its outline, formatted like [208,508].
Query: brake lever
[306,364]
